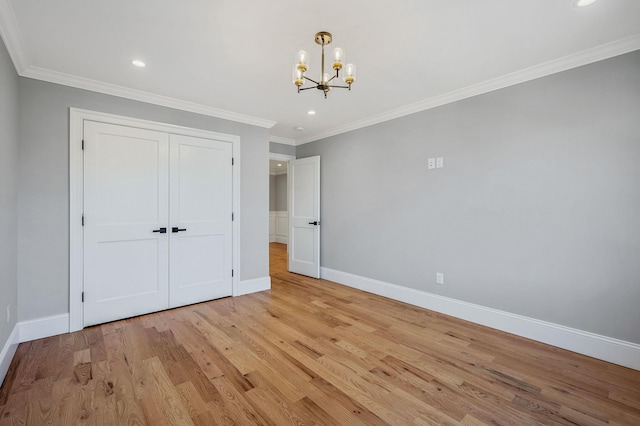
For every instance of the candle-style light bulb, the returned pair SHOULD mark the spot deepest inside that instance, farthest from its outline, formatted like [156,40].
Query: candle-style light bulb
[350,74]
[338,57]
[303,59]
[296,76]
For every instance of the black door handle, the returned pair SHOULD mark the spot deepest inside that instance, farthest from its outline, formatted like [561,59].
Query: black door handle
[315,222]
[161,230]
[176,229]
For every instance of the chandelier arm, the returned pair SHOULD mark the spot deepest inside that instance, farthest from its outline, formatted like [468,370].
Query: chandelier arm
[341,87]
[307,88]
[310,79]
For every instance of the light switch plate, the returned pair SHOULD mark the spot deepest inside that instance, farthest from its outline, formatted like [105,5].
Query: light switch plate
[439,162]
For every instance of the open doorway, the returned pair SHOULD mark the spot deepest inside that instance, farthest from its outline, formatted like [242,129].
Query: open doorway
[278,213]
[278,210]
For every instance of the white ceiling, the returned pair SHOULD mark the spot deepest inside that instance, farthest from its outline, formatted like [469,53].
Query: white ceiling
[233,58]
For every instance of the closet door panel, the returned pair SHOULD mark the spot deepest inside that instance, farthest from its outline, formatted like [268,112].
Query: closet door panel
[201,220]
[125,201]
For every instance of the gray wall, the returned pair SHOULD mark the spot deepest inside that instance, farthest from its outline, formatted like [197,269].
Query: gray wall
[279,148]
[281,192]
[43,199]
[8,193]
[278,193]
[536,211]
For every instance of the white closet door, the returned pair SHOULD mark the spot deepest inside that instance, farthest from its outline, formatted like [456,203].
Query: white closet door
[201,225]
[126,202]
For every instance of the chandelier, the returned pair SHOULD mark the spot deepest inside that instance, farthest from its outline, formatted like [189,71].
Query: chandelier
[323,38]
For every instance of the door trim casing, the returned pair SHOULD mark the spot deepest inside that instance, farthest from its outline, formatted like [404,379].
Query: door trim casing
[281,157]
[76,196]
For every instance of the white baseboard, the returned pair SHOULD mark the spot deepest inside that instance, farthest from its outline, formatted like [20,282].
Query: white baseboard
[282,239]
[272,238]
[605,348]
[25,331]
[43,327]
[8,351]
[253,286]
[59,324]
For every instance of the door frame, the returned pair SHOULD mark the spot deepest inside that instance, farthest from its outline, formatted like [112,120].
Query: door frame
[77,118]
[281,157]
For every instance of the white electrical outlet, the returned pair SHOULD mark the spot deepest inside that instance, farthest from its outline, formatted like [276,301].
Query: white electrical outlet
[432,163]
[8,313]
[439,278]
[439,162]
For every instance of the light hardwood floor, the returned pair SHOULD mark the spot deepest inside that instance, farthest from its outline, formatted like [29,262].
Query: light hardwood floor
[309,352]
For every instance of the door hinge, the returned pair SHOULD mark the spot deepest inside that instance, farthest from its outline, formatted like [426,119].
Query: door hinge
[83,144]
[232,217]
[82,220]
[83,297]
[232,162]
[232,272]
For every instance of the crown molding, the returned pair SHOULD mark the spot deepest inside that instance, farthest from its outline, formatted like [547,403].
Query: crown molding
[139,95]
[280,139]
[598,53]
[13,40]
[10,33]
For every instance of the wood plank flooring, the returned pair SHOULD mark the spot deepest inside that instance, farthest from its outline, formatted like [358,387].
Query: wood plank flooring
[308,352]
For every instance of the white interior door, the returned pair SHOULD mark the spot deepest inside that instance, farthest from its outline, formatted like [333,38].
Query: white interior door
[125,209]
[201,220]
[304,216]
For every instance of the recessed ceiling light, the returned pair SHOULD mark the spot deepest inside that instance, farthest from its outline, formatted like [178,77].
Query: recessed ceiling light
[582,3]
[279,164]
[299,128]
[138,63]
[311,112]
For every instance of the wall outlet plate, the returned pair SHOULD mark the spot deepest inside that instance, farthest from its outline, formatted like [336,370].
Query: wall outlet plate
[432,163]
[439,162]
[439,278]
